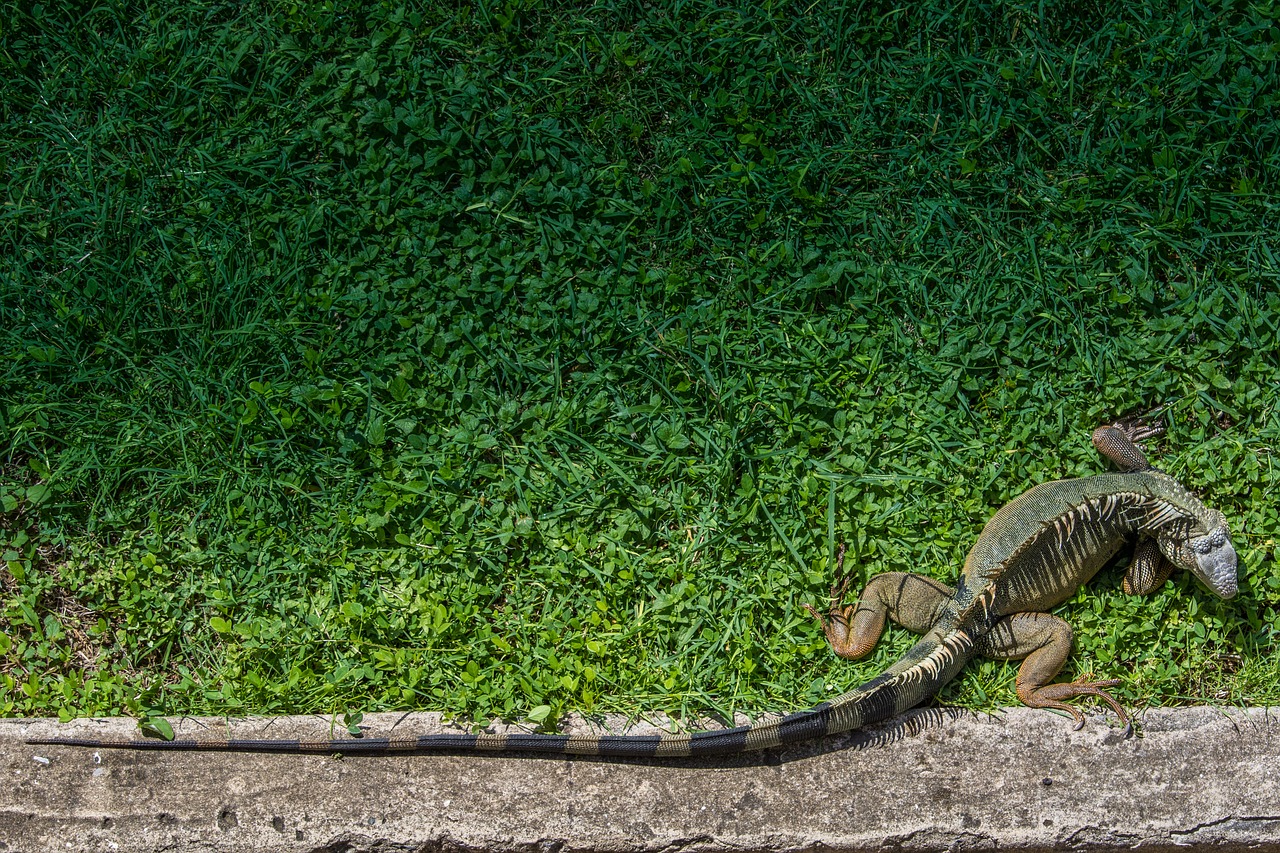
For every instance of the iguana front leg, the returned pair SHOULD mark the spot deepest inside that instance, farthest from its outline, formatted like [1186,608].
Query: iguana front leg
[1148,569]
[1118,442]
[1045,642]
[912,601]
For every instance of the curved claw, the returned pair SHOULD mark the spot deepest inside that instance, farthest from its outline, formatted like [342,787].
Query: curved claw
[1139,430]
[1051,696]
[1115,706]
[836,613]
[813,611]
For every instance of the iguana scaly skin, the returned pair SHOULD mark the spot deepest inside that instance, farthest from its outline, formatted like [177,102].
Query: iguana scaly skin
[1032,556]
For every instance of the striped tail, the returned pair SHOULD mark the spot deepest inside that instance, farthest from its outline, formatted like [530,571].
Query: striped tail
[931,663]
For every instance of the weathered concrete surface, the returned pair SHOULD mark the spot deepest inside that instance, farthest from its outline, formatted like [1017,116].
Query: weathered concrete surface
[932,780]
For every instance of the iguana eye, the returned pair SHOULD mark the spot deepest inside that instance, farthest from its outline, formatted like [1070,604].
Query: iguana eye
[1213,540]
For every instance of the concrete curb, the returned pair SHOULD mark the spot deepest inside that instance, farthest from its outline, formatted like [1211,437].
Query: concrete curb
[928,781]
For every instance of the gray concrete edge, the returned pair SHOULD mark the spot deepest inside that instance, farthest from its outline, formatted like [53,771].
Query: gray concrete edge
[932,780]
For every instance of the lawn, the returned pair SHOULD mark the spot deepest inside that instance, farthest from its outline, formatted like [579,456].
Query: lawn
[517,360]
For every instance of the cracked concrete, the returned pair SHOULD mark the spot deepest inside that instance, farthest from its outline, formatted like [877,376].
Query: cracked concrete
[931,780]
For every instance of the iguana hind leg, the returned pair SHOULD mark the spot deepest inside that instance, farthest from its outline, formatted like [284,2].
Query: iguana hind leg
[1045,642]
[912,601]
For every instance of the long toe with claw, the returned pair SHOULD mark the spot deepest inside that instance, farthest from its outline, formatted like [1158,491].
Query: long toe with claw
[1053,696]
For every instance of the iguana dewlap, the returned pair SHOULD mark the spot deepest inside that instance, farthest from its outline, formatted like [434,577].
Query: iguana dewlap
[1031,556]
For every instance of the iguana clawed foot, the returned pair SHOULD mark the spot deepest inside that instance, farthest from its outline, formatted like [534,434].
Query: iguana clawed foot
[1136,429]
[1052,696]
[835,624]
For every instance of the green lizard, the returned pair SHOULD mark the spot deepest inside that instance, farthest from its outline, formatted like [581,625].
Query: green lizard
[1032,556]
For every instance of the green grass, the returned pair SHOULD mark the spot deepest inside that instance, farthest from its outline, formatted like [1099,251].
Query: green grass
[513,360]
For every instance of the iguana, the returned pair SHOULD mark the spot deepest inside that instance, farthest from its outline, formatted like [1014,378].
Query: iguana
[1031,556]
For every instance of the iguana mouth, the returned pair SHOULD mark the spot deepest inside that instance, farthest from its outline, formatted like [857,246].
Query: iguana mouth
[1217,569]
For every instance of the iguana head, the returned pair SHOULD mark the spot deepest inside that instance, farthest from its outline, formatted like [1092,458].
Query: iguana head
[1202,546]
